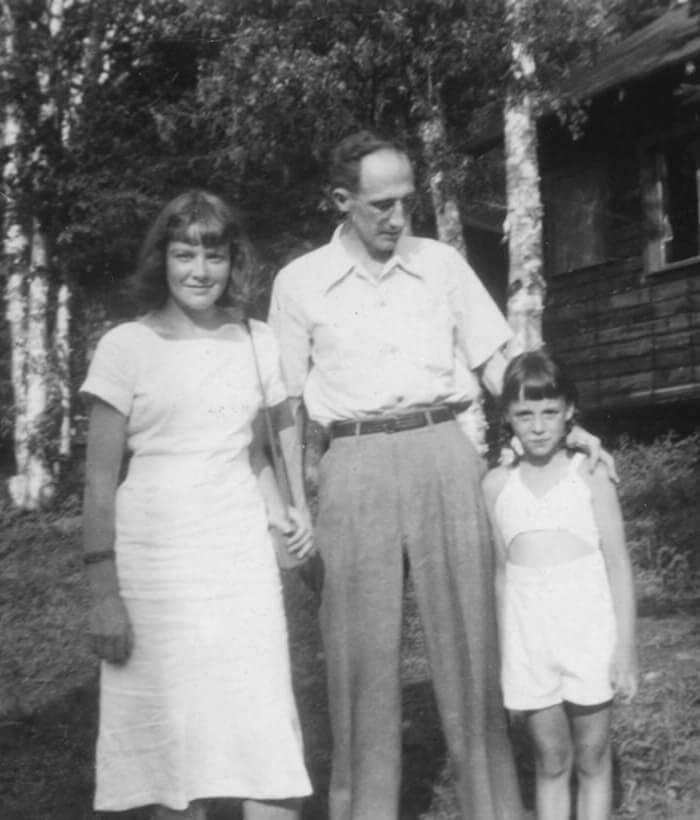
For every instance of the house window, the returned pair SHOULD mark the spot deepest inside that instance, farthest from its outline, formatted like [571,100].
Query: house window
[575,217]
[671,184]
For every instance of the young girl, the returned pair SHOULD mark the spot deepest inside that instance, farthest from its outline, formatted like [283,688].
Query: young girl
[565,593]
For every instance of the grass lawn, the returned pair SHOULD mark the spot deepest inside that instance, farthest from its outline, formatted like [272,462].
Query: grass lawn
[48,696]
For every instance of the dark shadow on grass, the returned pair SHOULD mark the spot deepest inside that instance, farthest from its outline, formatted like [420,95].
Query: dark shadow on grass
[48,757]
[47,771]
[424,754]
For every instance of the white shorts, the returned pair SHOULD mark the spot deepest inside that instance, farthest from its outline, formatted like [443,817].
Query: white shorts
[558,634]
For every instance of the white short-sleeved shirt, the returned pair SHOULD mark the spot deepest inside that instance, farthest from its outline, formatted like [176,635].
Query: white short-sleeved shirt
[355,345]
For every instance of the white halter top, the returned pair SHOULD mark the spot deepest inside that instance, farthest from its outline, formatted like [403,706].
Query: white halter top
[565,507]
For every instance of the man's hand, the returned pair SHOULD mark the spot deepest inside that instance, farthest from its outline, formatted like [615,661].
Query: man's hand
[111,634]
[580,439]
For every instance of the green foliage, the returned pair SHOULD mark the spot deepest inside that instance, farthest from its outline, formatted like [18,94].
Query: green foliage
[658,491]
[132,101]
[281,92]
[562,36]
[48,695]
[655,739]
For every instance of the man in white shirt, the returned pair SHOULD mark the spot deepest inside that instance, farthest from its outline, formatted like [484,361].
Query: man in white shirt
[385,336]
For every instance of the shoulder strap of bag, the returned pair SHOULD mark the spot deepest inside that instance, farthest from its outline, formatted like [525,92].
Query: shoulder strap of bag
[279,465]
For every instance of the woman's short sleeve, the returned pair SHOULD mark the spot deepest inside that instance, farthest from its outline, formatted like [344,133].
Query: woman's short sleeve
[112,372]
[269,360]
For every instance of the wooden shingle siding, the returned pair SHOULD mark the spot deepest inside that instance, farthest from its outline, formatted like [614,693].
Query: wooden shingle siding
[626,337]
[629,330]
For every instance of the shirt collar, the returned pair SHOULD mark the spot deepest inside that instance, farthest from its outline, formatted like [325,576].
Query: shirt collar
[341,264]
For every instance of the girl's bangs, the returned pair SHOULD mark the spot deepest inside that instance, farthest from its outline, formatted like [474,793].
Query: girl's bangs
[535,376]
[539,389]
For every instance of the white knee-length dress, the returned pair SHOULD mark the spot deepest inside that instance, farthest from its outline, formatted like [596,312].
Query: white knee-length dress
[204,706]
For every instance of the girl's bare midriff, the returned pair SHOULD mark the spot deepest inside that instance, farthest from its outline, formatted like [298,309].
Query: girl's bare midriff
[542,548]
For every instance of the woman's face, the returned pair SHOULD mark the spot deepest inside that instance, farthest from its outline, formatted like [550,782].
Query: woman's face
[197,275]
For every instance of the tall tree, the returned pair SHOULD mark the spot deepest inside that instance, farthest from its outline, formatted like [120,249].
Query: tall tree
[561,34]
[55,57]
[26,258]
[526,285]
[111,105]
[281,92]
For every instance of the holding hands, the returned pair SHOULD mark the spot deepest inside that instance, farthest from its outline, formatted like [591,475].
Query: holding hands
[293,529]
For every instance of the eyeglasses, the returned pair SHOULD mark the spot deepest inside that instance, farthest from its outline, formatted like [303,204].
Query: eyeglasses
[385,207]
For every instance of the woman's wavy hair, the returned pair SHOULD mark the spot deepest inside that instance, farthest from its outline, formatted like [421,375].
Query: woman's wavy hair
[196,217]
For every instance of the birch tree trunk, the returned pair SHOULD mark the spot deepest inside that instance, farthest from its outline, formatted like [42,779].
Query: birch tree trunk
[448,221]
[33,486]
[28,287]
[40,483]
[14,313]
[62,354]
[15,250]
[447,216]
[526,285]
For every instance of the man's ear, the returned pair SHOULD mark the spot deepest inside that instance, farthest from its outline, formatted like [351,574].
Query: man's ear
[341,198]
[570,411]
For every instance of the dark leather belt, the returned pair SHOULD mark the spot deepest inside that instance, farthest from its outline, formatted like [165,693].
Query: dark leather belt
[397,423]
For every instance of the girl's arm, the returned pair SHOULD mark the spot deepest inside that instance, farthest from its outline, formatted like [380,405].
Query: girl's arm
[110,628]
[608,514]
[293,521]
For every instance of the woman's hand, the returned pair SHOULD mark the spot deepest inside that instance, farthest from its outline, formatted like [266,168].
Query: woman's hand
[580,439]
[111,634]
[295,526]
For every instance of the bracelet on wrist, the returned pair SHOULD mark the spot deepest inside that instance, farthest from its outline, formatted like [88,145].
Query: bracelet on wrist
[98,556]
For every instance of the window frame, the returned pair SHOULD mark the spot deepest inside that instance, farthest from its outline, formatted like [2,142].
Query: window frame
[654,198]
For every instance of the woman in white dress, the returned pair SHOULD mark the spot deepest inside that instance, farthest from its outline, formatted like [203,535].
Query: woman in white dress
[195,689]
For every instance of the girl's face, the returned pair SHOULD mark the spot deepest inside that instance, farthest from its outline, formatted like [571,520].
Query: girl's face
[539,425]
[197,275]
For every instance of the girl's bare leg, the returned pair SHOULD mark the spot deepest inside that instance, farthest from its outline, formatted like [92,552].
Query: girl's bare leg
[592,761]
[271,809]
[551,735]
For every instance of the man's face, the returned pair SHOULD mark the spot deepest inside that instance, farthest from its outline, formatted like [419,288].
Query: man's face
[380,209]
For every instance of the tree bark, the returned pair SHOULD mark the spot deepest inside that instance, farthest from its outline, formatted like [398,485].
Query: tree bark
[27,295]
[15,250]
[448,222]
[526,285]
[62,353]
[14,312]
[447,216]
[33,486]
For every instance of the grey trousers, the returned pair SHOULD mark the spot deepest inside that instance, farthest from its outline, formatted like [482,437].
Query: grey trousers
[379,495]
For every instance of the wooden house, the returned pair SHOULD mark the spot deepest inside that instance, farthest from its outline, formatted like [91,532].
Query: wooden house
[622,221]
